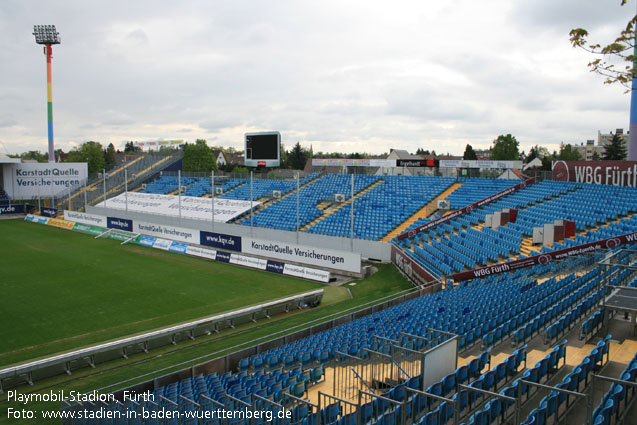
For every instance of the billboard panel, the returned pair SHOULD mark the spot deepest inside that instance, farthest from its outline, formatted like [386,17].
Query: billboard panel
[321,257]
[33,180]
[547,257]
[614,173]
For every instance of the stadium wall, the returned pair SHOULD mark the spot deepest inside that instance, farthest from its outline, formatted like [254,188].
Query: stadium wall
[368,249]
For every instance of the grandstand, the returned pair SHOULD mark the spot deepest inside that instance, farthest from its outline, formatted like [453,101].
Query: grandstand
[535,345]
[537,374]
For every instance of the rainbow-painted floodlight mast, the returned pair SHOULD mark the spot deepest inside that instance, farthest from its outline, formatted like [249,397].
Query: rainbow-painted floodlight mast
[632,146]
[47,35]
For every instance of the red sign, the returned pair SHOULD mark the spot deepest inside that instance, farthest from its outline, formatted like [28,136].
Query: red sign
[466,209]
[546,258]
[412,269]
[261,163]
[615,173]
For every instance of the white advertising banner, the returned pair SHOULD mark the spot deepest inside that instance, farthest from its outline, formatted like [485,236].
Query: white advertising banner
[345,162]
[162,244]
[321,257]
[242,260]
[33,180]
[85,218]
[201,252]
[166,231]
[485,164]
[191,206]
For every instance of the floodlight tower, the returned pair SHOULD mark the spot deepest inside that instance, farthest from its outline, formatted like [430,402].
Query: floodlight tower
[47,35]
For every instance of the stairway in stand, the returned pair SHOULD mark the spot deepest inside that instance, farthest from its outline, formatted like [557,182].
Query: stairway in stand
[424,212]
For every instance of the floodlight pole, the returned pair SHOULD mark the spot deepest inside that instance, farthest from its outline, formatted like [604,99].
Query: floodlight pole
[49,104]
[47,35]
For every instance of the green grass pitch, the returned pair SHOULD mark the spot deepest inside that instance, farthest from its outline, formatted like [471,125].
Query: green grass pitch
[63,290]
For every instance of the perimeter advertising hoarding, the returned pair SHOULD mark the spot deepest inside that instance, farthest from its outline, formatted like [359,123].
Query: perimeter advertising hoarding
[49,212]
[167,231]
[463,210]
[220,240]
[321,257]
[119,223]
[546,257]
[614,173]
[85,218]
[16,209]
[33,180]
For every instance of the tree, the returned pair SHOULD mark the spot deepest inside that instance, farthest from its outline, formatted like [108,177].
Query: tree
[615,150]
[130,147]
[297,157]
[421,151]
[536,152]
[505,148]
[90,152]
[35,155]
[469,154]
[596,156]
[109,156]
[533,153]
[568,153]
[621,49]
[198,157]
[283,155]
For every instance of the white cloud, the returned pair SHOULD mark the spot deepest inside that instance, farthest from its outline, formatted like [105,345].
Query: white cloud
[342,76]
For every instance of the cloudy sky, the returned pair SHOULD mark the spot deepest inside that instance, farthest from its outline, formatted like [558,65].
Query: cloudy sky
[338,75]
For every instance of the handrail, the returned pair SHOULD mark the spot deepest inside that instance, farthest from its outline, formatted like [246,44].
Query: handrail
[363,381]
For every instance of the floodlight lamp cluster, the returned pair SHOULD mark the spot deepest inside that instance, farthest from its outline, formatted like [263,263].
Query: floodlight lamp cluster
[46,34]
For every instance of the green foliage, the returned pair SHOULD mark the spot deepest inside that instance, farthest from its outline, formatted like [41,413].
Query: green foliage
[469,154]
[568,153]
[240,170]
[35,155]
[421,151]
[91,152]
[505,148]
[283,154]
[537,152]
[198,157]
[622,49]
[596,156]
[109,156]
[297,157]
[131,148]
[615,150]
